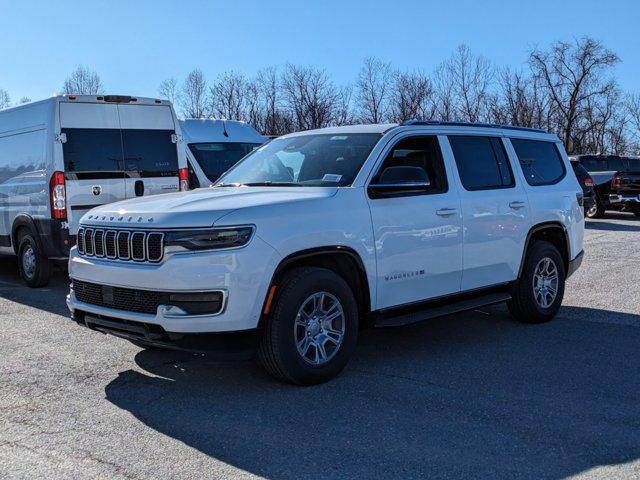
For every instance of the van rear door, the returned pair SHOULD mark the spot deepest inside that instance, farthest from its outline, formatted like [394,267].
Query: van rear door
[92,157]
[150,149]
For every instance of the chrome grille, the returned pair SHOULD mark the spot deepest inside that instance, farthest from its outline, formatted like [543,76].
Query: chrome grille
[124,245]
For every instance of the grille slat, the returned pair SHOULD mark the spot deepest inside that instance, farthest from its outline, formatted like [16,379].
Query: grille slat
[123,245]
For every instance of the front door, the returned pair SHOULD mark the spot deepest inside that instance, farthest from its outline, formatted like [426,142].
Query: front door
[418,235]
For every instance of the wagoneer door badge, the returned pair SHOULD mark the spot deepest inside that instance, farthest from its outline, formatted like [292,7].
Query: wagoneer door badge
[403,275]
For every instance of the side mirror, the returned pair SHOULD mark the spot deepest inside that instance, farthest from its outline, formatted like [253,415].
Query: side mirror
[401,180]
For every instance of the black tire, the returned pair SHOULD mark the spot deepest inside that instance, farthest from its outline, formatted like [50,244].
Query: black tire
[277,350]
[597,211]
[35,270]
[523,306]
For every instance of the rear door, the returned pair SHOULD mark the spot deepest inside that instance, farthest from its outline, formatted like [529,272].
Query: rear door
[495,211]
[92,157]
[150,149]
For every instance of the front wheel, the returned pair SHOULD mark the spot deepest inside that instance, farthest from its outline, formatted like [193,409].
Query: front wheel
[312,329]
[538,293]
[35,267]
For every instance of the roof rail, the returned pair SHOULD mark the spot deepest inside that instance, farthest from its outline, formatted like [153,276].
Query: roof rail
[470,124]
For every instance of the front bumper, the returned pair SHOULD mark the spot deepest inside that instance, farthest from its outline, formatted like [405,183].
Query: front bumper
[243,274]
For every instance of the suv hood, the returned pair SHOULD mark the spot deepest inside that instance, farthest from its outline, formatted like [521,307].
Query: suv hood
[198,208]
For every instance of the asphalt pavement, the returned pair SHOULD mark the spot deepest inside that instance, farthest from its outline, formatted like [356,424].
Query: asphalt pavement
[473,395]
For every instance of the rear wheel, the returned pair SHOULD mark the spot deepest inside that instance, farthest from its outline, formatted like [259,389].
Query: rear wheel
[597,210]
[35,267]
[312,330]
[538,294]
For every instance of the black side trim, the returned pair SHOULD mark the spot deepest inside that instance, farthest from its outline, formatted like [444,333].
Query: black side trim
[86,207]
[575,264]
[53,240]
[438,307]
[5,240]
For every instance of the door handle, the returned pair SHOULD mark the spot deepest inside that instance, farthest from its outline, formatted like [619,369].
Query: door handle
[517,205]
[446,212]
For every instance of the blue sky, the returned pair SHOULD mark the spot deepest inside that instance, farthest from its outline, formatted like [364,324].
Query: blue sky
[134,45]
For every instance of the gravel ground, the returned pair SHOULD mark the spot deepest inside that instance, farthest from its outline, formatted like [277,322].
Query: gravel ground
[467,396]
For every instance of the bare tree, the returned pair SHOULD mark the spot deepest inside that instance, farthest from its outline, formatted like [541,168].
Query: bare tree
[573,74]
[344,112]
[468,78]
[444,103]
[277,120]
[632,107]
[227,96]
[193,95]
[83,81]
[411,97]
[310,96]
[5,100]
[169,89]
[372,90]
[24,100]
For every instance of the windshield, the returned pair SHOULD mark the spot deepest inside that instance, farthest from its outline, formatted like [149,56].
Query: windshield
[217,158]
[304,160]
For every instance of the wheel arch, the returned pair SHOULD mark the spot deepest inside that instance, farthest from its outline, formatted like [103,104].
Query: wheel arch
[552,232]
[25,221]
[343,260]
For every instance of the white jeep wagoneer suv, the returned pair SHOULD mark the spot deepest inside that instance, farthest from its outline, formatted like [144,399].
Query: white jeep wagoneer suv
[319,233]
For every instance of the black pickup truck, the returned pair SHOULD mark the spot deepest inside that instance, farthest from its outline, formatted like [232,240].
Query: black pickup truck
[625,189]
[616,183]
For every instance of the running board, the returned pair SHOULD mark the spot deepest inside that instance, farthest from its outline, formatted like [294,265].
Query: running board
[440,310]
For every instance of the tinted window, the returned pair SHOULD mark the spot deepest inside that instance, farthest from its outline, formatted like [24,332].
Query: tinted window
[541,162]
[482,162]
[217,158]
[151,153]
[305,160]
[594,164]
[92,150]
[633,164]
[422,152]
[615,164]
[579,170]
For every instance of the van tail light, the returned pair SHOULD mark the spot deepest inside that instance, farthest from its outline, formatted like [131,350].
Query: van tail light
[58,193]
[183,175]
[615,182]
[588,182]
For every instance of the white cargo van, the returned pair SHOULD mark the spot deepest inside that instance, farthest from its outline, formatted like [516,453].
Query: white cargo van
[214,146]
[65,155]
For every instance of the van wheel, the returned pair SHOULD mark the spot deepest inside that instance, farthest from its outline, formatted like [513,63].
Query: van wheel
[538,294]
[597,210]
[312,329]
[35,267]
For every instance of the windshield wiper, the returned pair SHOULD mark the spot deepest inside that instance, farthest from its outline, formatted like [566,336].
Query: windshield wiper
[271,184]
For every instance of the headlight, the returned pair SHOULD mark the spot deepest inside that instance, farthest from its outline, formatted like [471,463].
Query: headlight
[214,239]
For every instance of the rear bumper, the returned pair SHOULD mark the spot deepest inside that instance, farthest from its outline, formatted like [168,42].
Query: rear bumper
[617,199]
[55,238]
[575,264]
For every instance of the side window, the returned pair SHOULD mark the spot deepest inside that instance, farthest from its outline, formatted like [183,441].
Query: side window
[482,162]
[422,152]
[541,161]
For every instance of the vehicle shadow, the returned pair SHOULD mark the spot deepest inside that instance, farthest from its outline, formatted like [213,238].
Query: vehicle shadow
[50,298]
[603,225]
[473,395]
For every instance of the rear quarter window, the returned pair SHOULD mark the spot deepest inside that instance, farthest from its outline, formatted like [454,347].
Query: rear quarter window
[541,162]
